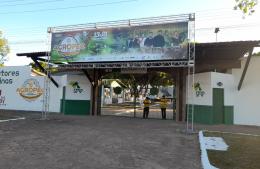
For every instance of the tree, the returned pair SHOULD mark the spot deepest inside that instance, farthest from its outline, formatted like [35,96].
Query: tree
[154,91]
[117,90]
[246,6]
[256,54]
[44,65]
[136,83]
[4,49]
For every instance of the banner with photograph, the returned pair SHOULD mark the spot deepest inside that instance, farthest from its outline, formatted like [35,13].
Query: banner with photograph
[139,43]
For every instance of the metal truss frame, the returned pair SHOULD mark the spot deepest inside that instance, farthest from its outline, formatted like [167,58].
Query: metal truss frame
[190,18]
[154,64]
[191,73]
[123,23]
[189,63]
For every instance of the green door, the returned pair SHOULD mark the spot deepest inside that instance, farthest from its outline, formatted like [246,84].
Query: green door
[218,106]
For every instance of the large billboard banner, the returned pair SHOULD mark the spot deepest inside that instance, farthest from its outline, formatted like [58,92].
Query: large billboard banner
[139,43]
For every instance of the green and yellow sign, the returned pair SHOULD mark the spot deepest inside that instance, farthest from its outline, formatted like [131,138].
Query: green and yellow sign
[138,43]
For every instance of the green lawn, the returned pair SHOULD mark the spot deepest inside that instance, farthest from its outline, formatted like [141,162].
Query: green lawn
[243,152]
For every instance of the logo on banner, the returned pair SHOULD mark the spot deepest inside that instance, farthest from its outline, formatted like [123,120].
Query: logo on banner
[2,99]
[70,46]
[76,87]
[198,90]
[30,90]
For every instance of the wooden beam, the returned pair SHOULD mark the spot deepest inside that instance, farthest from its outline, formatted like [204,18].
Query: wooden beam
[177,91]
[184,90]
[88,76]
[95,93]
[245,69]
[45,72]
[181,96]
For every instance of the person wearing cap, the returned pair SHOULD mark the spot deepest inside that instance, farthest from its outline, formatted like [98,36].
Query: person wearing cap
[147,103]
[163,105]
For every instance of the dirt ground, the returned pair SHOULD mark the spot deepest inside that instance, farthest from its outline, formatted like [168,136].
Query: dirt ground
[86,142]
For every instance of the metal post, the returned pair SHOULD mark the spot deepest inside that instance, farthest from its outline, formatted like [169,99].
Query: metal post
[134,104]
[191,71]
[46,95]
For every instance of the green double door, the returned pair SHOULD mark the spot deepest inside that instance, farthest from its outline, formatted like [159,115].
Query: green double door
[218,106]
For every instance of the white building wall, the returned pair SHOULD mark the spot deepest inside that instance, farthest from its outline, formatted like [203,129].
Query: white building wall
[84,84]
[208,81]
[247,100]
[228,84]
[13,78]
[56,93]
[205,83]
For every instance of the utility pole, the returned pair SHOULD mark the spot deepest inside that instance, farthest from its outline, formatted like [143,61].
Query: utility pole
[216,32]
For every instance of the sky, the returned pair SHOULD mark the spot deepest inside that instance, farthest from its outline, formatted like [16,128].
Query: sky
[25,22]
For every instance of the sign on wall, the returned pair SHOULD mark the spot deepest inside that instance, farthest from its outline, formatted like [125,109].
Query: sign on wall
[7,76]
[76,87]
[2,98]
[21,91]
[30,90]
[150,42]
[198,89]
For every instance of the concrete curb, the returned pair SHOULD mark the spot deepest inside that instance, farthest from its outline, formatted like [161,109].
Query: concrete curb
[20,118]
[204,155]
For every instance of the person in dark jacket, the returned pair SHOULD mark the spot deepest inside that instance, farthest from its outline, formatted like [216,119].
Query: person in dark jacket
[149,40]
[136,42]
[158,40]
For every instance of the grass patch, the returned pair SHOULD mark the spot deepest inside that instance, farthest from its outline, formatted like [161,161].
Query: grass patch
[243,152]
[4,117]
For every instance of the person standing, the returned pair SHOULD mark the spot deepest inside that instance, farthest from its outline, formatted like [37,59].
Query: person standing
[147,103]
[149,40]
[163,105]
[158,40]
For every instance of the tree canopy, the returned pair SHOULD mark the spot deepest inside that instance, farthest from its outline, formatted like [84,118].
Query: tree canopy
[136,83]
[154,91]
[246,6]
[4,49]
[44,65]
[117,90]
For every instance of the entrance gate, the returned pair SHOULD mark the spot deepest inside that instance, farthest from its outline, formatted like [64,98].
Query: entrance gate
[99,48]
[118,99]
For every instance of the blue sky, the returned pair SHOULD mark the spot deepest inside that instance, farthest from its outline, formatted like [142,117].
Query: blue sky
[25,22]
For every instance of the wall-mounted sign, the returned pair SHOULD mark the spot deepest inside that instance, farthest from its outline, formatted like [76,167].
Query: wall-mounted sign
[30,90]
[76,87]
[2,99]
[6,77]
[198,90]
[220,84]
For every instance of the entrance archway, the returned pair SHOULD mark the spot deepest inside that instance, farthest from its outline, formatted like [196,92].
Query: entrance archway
[123,93]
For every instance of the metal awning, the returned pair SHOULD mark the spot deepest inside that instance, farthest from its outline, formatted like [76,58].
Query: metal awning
[208,57]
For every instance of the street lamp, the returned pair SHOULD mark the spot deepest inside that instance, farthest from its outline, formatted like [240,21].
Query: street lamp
[216,32]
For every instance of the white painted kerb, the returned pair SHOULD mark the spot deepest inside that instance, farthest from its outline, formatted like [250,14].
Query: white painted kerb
[20,118]
[204,155]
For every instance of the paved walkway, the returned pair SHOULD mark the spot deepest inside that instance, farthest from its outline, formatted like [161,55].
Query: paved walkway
[69,142]
[155,112]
